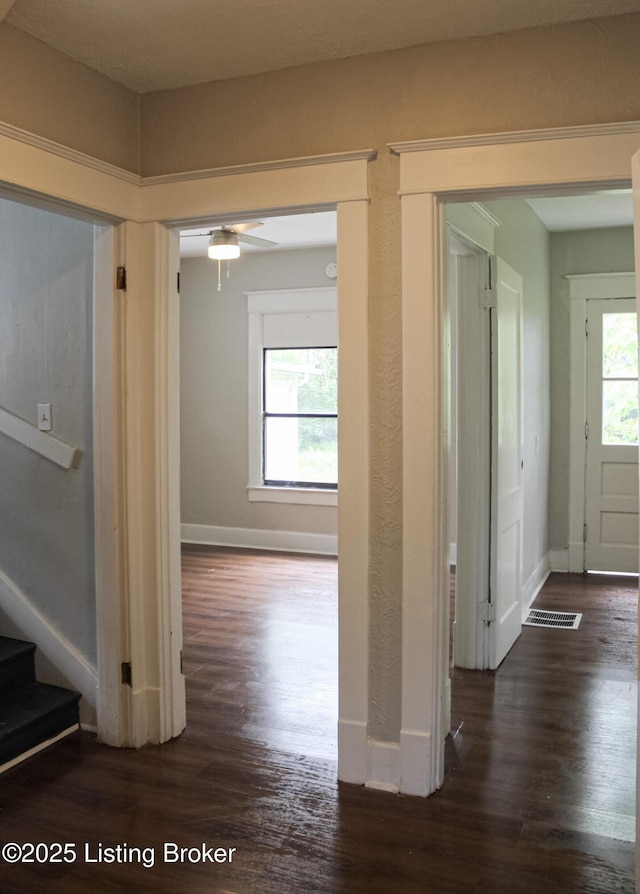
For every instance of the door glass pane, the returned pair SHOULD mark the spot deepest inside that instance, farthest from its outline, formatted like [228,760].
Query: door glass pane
[301,450]
[619,346]
[619,412]
[301,380]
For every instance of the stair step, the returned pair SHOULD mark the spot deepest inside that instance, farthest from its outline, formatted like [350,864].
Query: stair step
[34,714]
[16,664]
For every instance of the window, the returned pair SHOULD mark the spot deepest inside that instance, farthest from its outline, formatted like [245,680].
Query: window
[293,396]
[300,417]
[619,378]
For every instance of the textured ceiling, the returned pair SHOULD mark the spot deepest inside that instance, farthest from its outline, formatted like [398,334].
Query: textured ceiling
[158,44]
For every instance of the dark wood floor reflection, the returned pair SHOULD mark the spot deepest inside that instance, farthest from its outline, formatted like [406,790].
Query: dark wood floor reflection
[538,797]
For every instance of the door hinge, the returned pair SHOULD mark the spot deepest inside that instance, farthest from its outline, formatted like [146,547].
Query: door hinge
[121,278]
[487,612]
[125,669]
[584,533]
[488,298]
[586,430]
[178,278]
[488,293]
[586,327]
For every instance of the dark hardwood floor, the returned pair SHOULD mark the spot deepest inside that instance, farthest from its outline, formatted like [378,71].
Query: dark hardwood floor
[538,797]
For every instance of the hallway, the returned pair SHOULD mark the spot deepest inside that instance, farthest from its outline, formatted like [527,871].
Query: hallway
[539,792]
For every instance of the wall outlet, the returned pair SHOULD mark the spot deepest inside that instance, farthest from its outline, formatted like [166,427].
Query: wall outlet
[44,417]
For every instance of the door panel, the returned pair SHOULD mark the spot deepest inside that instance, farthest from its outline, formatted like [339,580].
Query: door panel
[506,462]
[611,492]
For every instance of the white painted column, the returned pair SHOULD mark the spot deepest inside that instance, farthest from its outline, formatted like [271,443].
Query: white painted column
[353,496]
[425,561]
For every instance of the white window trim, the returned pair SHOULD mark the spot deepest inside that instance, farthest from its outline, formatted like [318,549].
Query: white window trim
[278,301]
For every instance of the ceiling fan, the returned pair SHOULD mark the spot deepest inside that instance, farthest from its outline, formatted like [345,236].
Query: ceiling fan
[224,241]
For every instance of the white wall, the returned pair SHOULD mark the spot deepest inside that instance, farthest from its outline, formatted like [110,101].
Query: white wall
[583,251]
[46,515]
[214,394]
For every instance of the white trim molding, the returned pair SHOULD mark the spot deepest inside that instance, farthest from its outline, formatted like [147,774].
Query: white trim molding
[53,645]
[261,538]
[44,443]
[516,136]
[303,496]
[304,317]
[261,167]
[534,584]
[601,285]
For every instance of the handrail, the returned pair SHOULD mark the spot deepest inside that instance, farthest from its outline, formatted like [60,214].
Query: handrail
[41,442]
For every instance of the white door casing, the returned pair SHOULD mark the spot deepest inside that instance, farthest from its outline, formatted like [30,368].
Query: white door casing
[506,464]
[472,491]
[611,476]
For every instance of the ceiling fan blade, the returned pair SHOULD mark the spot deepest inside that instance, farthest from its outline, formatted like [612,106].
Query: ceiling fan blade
[257,240]
[242,227]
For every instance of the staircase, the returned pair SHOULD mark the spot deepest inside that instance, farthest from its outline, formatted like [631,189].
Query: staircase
[32,715]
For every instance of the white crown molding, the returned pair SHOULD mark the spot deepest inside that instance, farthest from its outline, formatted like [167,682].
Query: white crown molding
[516,136]
[484,212]
[89,161]
[259,167]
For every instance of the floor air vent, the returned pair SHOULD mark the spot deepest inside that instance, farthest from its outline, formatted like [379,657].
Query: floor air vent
[539,618]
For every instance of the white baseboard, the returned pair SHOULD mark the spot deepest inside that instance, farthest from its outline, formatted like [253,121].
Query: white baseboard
[352,751]
[259,538]
[535,583]
[416,756]
[55,648]
[383,766]
[576,557]
[559,560]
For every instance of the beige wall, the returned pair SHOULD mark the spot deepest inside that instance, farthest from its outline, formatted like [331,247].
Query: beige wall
[46,93]
[584,251]
[543,77]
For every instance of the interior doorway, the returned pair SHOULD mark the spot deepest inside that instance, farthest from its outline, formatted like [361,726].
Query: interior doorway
[259,446]
[563,251]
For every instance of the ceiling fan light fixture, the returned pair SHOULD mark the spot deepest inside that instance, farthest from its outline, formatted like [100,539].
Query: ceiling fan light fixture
[223,246]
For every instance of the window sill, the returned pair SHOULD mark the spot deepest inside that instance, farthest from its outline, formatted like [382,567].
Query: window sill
[307,495]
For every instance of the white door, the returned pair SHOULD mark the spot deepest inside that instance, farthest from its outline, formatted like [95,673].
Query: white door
[611,483]
[505,611]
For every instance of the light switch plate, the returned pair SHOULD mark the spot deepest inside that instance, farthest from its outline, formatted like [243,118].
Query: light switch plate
[44,417]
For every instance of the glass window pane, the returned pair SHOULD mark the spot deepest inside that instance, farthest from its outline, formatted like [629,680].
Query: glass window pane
[301,450]
[619,346]
[301,380]
[619,412]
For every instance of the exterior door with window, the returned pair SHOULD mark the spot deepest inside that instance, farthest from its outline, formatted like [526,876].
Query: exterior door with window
[611,491]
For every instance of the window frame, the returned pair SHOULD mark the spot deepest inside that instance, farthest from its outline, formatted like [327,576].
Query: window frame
[322,304]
